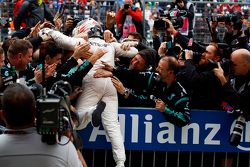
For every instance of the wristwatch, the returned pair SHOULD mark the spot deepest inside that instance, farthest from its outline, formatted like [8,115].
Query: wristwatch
[126,92]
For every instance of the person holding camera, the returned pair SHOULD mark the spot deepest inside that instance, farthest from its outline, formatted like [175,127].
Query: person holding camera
[235,36]
[206,89]
[237,90]
[21,145]
[197,74]
[188,18]
[129,19]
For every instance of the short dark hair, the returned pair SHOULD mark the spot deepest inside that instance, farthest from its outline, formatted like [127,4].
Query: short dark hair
[52,49]
[19,46]
[136,35]
[18,105]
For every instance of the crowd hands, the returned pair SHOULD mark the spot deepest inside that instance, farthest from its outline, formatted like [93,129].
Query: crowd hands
[174,76]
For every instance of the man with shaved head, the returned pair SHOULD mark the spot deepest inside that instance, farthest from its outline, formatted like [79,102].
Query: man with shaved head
[237,90]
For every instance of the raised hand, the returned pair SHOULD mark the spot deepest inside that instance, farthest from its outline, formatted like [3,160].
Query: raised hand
[58,20]
[46,24]
[69,23]
[110,19]
[49,71]
[109,37]
[220,74]
[81,50]
[34,30]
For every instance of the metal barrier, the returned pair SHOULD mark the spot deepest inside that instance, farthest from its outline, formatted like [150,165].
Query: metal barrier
[152,141]
[103,158]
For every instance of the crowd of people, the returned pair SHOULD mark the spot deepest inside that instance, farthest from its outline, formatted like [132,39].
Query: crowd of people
[111,64]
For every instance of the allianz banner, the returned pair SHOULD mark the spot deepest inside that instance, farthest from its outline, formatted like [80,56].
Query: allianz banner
[147,129]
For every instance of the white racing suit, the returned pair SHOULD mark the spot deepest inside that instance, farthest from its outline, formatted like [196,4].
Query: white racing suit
[96,89]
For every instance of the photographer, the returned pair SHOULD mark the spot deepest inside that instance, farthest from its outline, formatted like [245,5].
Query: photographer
[19,115]
[188,18]
[235,37]
[197,74]
[206,89]
[237,90]
[129,16]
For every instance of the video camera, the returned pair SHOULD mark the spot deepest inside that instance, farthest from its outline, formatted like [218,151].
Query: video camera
[235,18]
[225,65]
[53,113]
[54,118]
[197,49]
[175,16]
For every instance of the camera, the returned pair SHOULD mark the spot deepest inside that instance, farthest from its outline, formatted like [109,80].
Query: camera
[236,134]
[225,65]
[240,42]
[196,57]
[236,18]
[175,16]
[126,6]
[53,113]
[160,25]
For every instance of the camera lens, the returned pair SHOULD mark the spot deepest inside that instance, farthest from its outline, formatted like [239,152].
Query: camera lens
[235,136]
[126,6]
